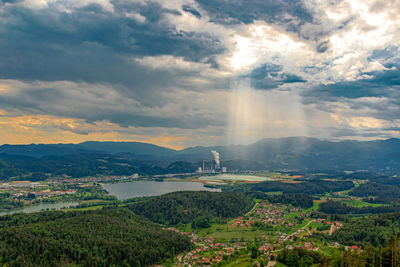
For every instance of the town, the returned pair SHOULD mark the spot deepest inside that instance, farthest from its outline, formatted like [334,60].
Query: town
[261,233]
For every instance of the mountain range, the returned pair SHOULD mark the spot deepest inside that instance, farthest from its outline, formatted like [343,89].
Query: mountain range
[294,153]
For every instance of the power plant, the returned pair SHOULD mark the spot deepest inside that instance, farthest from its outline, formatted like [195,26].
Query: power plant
[212,168]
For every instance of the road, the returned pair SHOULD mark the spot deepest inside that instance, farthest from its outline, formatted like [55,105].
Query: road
[299,231]
[255,206]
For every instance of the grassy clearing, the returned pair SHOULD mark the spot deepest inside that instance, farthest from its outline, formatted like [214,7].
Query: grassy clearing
[315,225]
[314,207]
[92,201]
[304,223]
[86,208]
[292,215]
[227,232]
[358,203]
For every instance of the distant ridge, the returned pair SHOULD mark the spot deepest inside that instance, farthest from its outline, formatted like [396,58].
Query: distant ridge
[130,147]
[292,153]
[43,150]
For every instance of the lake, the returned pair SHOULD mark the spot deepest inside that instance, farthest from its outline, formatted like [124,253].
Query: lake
[41,206]
[234,177]
[152,188]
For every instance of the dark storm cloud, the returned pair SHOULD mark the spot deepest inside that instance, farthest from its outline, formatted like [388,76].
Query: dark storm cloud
[93,104]
[90,44]
[322,47]
[96,47]
[293,16]
[191,10]
[270,76]
[377,84]
[388,57]
[245,11]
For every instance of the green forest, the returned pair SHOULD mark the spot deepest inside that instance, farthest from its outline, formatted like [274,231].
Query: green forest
[184,207]
[108,237]
[307,187]
[313,222]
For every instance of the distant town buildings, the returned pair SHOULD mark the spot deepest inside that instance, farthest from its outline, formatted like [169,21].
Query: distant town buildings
[20,184]
[212,168]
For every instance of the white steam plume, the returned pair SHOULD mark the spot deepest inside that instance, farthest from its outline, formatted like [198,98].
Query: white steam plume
[216,158]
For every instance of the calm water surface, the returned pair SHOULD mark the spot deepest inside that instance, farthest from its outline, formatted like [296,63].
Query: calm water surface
[235,177]
[151,188]
[41,206]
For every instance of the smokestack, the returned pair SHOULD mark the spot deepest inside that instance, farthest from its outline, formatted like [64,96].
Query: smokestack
[216,158]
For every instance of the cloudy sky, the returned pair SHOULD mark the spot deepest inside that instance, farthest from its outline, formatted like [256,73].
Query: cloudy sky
[182,73]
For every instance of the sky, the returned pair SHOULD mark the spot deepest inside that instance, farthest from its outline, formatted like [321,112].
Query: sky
[182,73]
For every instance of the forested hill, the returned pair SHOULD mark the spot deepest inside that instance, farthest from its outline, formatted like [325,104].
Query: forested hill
[374,230]
[125,158]
[184,207]
[81,165]
[108,237]
[304,187]
[43,150]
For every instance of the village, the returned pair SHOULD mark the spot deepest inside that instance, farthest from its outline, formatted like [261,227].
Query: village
[21,194]
[273,226]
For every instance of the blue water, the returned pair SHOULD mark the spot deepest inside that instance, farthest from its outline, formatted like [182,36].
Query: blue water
[41,206]
[151,188]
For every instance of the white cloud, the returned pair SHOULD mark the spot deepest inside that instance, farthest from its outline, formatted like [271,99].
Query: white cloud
[136,16]
[66,5]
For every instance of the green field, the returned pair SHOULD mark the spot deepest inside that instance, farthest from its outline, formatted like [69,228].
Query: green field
[314,207]
[227,232]
[359,203]
[310,209]
[86,208]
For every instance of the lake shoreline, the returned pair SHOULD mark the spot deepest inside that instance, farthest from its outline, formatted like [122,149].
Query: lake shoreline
[135,189]
[41,207]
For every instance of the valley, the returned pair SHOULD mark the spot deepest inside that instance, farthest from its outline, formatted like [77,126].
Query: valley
[301,214]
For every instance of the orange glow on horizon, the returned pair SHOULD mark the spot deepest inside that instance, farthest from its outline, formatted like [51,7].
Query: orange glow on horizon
[45,129]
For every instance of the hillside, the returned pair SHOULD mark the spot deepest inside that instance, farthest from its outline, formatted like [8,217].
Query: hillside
[185,207]
[81,165]
[135,148]
[110,237]
[125,158]
[42,150]
[301,153]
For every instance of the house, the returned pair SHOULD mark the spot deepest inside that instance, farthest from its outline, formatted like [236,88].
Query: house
[217,259]
[269,246]
[229,250]
[237,223]
[262,249]
[206,259]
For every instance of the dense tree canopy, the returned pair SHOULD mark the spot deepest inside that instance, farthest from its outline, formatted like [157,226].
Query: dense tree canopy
[309,187]
[297,200]
[184,207]
[371,189]
[337,207]
[374,230]
[108,237]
